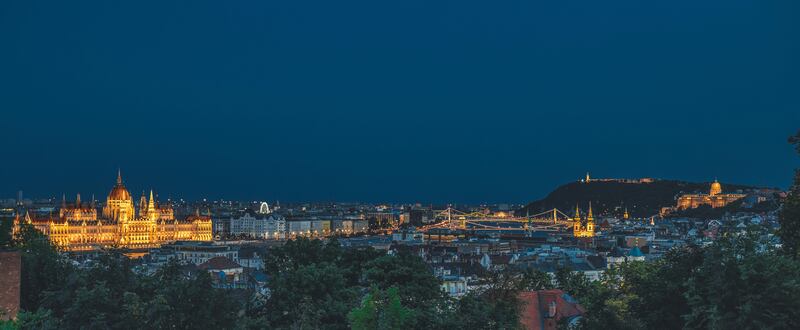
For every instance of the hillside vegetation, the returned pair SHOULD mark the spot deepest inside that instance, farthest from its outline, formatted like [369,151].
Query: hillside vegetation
[612,197]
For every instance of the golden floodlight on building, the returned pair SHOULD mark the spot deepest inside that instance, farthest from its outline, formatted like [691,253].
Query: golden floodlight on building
[579,229]
[79,228]
[715,198]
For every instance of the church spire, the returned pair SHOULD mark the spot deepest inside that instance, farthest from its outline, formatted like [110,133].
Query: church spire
[142,205]
[78,201]
[590,222]
[151,205]
[119,176]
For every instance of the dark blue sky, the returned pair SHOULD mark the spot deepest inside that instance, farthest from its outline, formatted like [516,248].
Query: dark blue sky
[413,100]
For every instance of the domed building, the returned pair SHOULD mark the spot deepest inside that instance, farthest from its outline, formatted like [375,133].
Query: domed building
[78,227]
[716,188]
[119,204]
[715,198]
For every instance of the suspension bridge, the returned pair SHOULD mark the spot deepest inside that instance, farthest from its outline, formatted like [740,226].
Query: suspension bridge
[551,220]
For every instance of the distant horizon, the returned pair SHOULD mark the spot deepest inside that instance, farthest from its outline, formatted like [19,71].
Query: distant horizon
[160,197]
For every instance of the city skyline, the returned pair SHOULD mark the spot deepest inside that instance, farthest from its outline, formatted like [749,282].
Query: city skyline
[178,197]
[350,102]
[410,164]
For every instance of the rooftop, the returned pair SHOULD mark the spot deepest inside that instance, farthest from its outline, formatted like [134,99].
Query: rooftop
[219,263]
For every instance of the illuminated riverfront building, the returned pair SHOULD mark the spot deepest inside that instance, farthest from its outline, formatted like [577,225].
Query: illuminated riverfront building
[579,229]
[77,227]
[715,198]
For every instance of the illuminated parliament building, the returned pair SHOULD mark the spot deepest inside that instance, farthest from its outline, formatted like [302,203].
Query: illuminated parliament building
[78,227]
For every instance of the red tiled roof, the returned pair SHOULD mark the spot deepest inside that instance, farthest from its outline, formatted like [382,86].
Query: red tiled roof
[219,263]
[536,309]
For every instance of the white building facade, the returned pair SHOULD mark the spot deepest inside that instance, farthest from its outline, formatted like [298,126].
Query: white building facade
[271,226]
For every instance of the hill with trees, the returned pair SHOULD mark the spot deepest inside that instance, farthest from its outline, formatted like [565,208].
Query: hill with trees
[642,199]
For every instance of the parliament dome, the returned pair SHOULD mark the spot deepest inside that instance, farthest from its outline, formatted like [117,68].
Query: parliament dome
[119,192]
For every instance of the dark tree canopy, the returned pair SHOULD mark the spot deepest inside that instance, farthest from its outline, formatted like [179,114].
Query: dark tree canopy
[790,213]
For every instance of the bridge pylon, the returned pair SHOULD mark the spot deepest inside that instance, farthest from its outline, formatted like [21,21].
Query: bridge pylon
[528,224]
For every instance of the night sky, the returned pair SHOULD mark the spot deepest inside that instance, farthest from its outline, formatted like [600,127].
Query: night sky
[412,100]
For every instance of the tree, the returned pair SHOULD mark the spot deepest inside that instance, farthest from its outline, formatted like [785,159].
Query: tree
[308,288]
[42,320]
[310,297]
[299,252]
[790,213]
[43,268]
[419,290]
[534,279]
[740,286]
[574,283]
[474,311]
[661,286]
[636,295]
[315,284]
[380,310]
[92,309]
[109,295]
[608,301]
[5,232]
[354,262]
[186,302]
[417,285]
[494,306]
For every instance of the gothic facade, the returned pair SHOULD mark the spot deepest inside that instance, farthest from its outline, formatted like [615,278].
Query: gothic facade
[79,228]
[579,229]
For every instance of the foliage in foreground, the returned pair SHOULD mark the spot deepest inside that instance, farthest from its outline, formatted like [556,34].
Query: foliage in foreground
[109,295]
[790,212]
[735,282]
